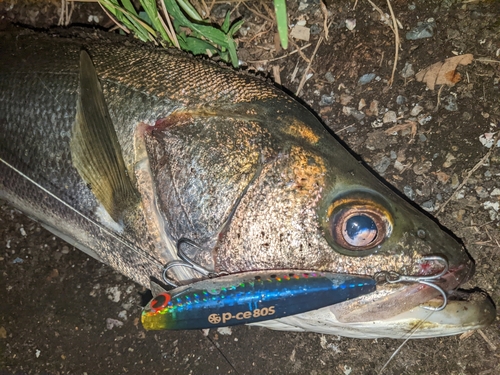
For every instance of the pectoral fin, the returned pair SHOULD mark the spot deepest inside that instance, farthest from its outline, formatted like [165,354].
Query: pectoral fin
[95,150]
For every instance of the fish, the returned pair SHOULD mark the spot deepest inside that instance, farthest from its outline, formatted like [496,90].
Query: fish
[123,150]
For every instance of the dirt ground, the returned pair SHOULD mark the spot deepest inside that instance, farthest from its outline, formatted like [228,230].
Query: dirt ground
[63,313]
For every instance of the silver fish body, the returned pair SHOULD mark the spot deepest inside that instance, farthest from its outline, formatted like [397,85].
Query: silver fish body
[122,151]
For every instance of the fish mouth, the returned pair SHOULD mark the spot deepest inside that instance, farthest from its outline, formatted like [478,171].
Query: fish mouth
[401,311]
[392,299]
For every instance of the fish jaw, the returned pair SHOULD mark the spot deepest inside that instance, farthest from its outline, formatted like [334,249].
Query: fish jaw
[417,323]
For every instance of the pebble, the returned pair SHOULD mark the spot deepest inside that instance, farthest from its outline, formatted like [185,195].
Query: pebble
[114,294]
[495,192]
[421,168]
[17,260]
[316,29]
[428,206]
[366,78]
[400,100]
[123,315]
[225,331]
[358,115]
[408,191]
[112,323]
[422,138]
[23,232]
[422,120]
[65,250]
[482,192]
[390,116]
[373,111]
[407,71]
[329,77]
[327,100]
[415,111]
[450,103]
[487,140]
[382,165]
[450,160]
[345,99]
[350,23]
[422,30]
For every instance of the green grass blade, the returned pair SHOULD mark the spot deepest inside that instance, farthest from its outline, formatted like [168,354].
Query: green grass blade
[282,21]
[190,11]
[151,9]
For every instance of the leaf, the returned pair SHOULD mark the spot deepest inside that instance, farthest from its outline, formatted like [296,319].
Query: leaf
[444,72]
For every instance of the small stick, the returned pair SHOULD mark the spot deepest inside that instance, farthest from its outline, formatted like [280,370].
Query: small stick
[124,28]
[304,77]
[397,42]
[492,346]
[281,57]
[257,13]
[325,21]
[439,98]
[299,51]
[276,74]
[475,168]
[170,29]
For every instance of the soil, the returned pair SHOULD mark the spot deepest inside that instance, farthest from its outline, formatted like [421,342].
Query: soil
[63,313]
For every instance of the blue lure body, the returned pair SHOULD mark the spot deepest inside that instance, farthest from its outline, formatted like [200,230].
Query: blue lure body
[251,297]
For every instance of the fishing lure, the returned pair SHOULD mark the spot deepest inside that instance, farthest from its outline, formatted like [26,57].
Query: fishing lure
[250,297]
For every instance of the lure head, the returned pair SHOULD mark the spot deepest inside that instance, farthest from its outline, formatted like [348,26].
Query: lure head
[152,316]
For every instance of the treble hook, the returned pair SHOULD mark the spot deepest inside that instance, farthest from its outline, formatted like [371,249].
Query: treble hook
[393,277]
[186,262]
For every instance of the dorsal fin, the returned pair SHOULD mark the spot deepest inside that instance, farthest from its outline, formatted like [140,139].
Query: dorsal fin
[95,150]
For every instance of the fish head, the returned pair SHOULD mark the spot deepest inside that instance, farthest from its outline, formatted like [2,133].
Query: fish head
[265,186]
[315,206]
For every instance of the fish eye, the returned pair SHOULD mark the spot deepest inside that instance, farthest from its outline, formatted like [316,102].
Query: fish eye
[359,230]
[358,225]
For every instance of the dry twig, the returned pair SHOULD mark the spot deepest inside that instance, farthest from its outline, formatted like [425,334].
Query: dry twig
[281,57]
[397,43]
[306,71]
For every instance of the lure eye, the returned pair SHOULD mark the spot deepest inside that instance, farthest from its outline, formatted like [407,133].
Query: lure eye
[160,301]
[359,225]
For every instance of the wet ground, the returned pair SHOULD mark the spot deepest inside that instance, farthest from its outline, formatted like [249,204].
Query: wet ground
[63,313]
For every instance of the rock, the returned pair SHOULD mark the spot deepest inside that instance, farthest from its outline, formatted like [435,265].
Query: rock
[400,100]
[407,71]
[495,192]
[450,103]
[450,160]
[421,168]
[408,191]
[390,116]
[415,111]
[350,23]
[329,77]
[327,99]
[382,165]
[482,192]
[366,78]
[428,206]
[422,30]
[345,99]
[112,323]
